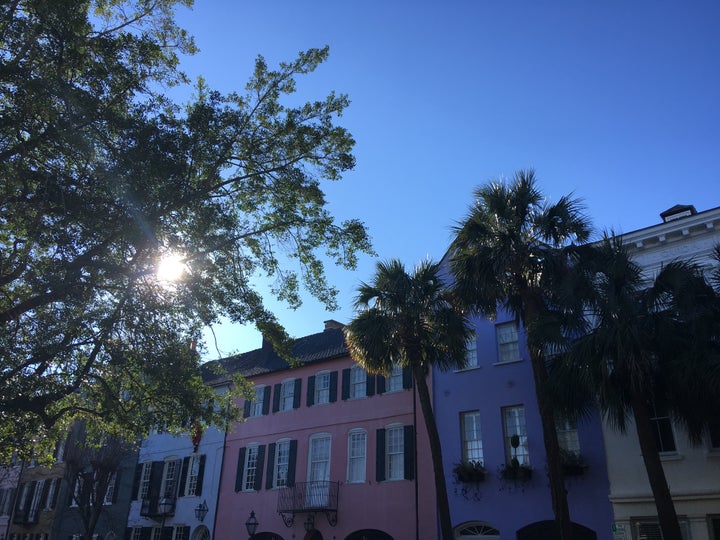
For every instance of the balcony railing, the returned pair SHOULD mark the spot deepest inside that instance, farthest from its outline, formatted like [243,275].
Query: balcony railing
[309,498]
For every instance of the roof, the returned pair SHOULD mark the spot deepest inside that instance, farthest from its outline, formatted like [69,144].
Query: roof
[326,345]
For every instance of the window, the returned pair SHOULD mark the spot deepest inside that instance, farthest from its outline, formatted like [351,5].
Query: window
[514,424]
[35,502]
[287,395]
[52,494]
[156,533]
[358,382]
[714,526]
[662,427]
[472,449]
[136,533]
[395,453]
[507,339]
[145,480]
[258,404]
[195,465]
[110,492]
[251,468]
[471,357]
[181,533]
[168,488]
[567,434]
[649,529]
[322,388]
[357,442]
[395,381]
[282,463]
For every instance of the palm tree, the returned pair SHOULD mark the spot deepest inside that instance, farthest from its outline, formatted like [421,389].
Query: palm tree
[409,320]
[509,252]
[649,344]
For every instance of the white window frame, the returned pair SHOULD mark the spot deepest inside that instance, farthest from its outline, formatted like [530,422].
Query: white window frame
[395,452]
[508,342]
[282,463]
[471,437]
[110,491]
[658,419]
[256,406]
[357,456]
[136,533]
[250,467]
[193,475]
[322,387]
[144,488]
[53,486]
[179,532]
[170,477]
[358,382]
[515,423]
[394,381]
[156,533]
[287,395]
[34,509]
[567,435]
[471,352]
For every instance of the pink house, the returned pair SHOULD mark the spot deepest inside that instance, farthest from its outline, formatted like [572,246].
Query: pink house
[326,451]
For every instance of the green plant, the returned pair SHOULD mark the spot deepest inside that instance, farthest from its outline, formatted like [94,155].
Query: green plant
[515,470]
[470,471]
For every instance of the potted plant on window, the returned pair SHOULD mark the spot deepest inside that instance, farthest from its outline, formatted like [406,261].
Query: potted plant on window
[469,472]
[515,471]
[572,463]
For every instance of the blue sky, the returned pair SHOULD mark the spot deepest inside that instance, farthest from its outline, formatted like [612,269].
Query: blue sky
[616,101]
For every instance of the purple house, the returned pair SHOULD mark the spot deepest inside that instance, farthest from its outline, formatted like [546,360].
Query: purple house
[487,414]
[326,451]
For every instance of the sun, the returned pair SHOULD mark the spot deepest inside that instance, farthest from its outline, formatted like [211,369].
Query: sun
[171,268]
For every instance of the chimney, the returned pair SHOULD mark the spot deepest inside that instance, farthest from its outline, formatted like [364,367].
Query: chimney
[332,324]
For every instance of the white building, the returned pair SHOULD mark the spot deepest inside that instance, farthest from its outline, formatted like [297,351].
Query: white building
[693,472]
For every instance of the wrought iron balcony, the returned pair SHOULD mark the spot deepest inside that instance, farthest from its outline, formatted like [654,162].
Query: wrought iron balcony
[309,498]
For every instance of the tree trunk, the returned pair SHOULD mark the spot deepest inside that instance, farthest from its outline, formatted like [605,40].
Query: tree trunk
[446,530]
[558,493]
[667,517]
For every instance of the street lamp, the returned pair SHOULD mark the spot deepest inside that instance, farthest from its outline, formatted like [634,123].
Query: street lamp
[251,524]
[201,511]
[309,523]
[165,507]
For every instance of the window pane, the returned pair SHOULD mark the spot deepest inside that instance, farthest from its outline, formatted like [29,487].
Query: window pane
[567,434]
[356,456]
[471,437]
[322,388]
[662,428]
[287,392]
[282,460]
[257,404]
[358,380]
[395,380]
[507,339]
[514,424]
[395,453]
[251,455]
[471,358]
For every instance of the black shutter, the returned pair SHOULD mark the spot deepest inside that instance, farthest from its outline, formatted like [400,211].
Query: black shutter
[167,533]
[201,475]
[240,467]
[333,386]
[259,469]
[128,532]
[370,385]
[56,493]
[136,481]
[183,476]
[266,400]
[296,394]
[310,401]
[380,384]
[409,447]
[292,458]
[146,533]
[407,377]
[380,455]
[116,488]
[156,475]
[71,491]
[44,495]
[276,398]
[246,408]
[345,384]
[270,466]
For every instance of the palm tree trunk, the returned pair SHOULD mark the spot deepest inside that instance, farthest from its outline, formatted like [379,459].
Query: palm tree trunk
[446,530]
[669,524]
[558,493]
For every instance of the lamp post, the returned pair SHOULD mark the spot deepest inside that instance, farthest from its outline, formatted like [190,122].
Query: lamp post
[251,524]
[165,508]
[201,511]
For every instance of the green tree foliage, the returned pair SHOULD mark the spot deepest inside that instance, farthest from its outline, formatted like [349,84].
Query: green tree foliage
[410,320]
[102,177]
[650,342]
[510,252]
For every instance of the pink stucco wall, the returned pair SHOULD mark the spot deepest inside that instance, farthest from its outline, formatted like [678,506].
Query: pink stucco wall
[388,506]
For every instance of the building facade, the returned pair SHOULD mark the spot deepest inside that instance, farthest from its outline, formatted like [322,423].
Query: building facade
[692,472]
[326,451]
[488,414]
